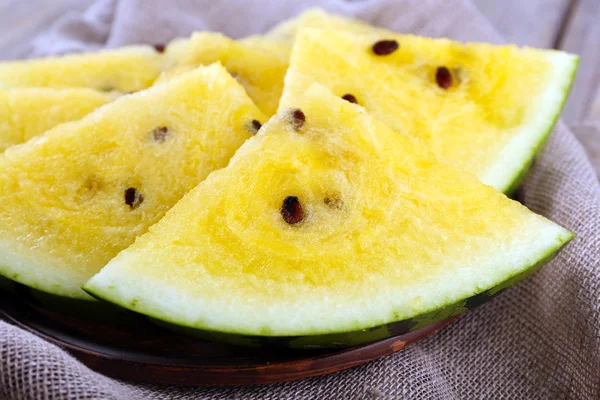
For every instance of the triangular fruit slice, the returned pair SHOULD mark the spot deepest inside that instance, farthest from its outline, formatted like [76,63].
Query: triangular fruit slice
[260,69]
[71,199]
[126,69]
[485,108]
[328,223]
[28,112]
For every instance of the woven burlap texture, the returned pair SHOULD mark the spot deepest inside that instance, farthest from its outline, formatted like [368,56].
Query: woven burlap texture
[538,340]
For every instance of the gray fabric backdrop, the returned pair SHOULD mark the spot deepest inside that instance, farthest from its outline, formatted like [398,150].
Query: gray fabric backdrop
[538,340]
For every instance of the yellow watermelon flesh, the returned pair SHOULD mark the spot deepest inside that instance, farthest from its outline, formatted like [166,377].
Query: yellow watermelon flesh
[263,43]
[126,69]
[257,66]
[74,197]
[28,112]
[485,108]
[326,222]
[285,32]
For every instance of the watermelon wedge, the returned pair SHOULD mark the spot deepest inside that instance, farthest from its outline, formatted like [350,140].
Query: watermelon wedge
[486,109]
[327,229]
[74,197]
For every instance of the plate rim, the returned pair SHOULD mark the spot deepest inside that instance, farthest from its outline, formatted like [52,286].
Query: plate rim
[143,371]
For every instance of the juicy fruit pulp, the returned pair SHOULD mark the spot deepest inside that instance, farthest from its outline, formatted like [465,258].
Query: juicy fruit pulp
[76,196]
[259,67]
[486,109]
[127,69]
[28,112]
[284,33]
[263,43]
[360,226]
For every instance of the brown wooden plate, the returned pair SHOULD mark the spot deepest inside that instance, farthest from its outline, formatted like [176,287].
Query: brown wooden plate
[127,346]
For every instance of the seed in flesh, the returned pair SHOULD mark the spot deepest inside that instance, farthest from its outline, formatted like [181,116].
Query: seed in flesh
[443,77]
[159,47]
[385,47]
[133,198]
[90,187]
[297,118]
[333,202]
[291,210]
[255,125]
[160,134]
[350,97]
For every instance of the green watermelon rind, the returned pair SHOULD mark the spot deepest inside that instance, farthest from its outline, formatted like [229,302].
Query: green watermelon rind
[336,339]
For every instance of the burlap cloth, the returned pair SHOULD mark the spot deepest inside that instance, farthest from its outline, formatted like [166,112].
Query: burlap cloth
[538,340]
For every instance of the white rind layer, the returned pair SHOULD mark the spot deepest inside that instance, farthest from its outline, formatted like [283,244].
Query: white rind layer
[516,156]
[217,304]
[24,266]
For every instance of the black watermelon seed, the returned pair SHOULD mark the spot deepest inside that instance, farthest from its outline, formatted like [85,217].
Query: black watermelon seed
[443,77]
[133,198]
[297,118]
[385,47]
[255,126]
[291,210]
[160,134]
[349,97]
[159,47]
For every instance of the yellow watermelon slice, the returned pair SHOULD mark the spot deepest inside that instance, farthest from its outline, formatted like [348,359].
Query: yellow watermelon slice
[74,197]
[28,112]
[327,229]
[256,65]
[126,69]
[485,108]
